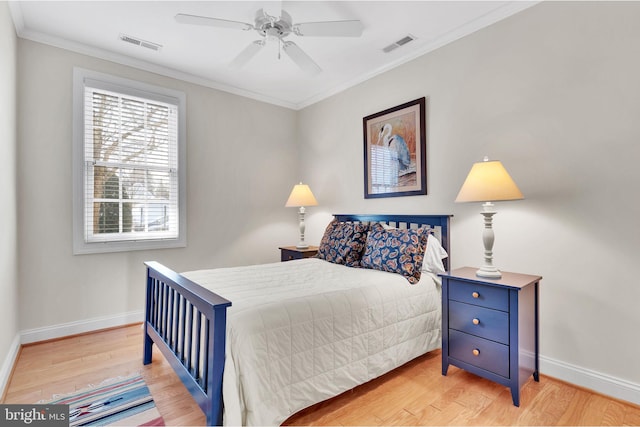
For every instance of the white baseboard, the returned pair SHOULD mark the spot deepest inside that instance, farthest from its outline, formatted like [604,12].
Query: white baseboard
[596,381]
[79,327]
[7,365]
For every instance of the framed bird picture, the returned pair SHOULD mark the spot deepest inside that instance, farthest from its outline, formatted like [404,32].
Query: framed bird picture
[395,151]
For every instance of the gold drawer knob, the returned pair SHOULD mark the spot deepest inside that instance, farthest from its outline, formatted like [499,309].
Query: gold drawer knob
[475,295]
[476,321]
[476,352]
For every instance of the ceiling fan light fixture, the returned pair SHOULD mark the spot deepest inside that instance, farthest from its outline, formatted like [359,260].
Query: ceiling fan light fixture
[273,34]
[270,26]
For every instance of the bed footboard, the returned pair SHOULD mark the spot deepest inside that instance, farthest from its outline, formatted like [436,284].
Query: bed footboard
[188,324]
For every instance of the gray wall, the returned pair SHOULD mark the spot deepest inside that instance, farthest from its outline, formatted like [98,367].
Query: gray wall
[241,165]
[553,92]
[8,236]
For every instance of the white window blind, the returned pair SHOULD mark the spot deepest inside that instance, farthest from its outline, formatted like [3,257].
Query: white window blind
[130,167]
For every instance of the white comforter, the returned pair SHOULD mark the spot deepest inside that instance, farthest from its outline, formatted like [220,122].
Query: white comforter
[302,331]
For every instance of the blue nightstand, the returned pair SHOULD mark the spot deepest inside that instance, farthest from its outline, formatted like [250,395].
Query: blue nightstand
[490,326]
[289,253]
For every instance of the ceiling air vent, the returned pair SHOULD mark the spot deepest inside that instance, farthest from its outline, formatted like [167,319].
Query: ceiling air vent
[140,42]
[406,39]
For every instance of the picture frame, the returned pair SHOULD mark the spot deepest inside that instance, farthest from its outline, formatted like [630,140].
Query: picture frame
[395,151]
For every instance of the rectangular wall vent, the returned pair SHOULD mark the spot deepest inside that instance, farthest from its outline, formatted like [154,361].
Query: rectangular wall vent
[149,45]
[406,39]
[140,42]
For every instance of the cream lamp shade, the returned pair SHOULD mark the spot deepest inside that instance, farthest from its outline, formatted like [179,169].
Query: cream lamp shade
[488,181]
[301,196]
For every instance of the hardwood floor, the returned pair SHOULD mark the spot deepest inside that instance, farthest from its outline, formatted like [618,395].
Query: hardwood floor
[65,365]
[415,394]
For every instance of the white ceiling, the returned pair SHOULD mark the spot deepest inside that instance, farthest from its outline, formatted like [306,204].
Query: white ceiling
[201,54]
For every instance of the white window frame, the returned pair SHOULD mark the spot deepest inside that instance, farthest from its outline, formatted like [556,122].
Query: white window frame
[81,245]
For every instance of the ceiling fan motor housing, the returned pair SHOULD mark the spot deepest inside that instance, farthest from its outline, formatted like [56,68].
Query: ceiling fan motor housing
[271,27]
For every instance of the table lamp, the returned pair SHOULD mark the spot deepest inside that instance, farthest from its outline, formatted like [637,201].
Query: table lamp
[488,181]
[301,196]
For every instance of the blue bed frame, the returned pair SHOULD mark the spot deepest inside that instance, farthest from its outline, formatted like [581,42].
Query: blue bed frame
[188,322]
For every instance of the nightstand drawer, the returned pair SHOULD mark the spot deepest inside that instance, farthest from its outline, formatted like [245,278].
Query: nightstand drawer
[484,354]
[485,296]
[480,321]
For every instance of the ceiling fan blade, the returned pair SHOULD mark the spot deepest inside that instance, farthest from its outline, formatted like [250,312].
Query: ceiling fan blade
[330,29]
[212,22]
[246,54]
[298,56]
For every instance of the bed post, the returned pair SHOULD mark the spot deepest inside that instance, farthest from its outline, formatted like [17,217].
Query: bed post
[216,362]
[148,342]
[445,240]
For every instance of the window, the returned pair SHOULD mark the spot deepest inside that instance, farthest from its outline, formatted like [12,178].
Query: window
[129,157]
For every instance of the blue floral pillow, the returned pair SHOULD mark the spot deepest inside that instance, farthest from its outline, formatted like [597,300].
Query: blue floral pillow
[343,243]
[396,250]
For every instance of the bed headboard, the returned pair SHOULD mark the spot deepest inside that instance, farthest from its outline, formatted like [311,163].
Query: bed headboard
[440,224]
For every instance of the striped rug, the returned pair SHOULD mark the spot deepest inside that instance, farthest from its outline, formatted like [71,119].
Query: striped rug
[123,402]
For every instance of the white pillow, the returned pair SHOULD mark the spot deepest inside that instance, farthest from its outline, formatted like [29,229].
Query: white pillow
[433,254]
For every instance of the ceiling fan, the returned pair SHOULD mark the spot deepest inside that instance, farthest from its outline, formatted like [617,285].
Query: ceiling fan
[276,29]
